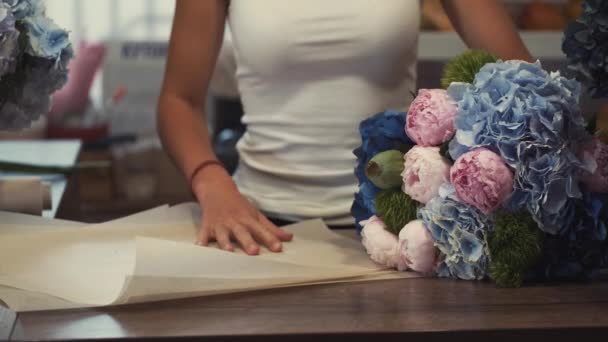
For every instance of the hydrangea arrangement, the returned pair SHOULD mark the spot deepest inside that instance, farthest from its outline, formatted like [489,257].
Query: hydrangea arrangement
[34,55]
[586,47]
[499,179]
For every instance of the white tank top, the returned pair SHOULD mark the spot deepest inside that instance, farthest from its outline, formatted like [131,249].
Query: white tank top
[308,72]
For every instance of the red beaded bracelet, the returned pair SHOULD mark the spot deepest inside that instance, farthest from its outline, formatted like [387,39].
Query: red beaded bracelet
[200,167]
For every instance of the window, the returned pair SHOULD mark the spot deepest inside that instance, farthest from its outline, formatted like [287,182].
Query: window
[113,19]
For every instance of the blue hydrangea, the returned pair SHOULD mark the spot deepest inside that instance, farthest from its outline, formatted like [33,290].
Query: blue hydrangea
[460,234]
[25,8]
[9,41]
[34,57]
[359,210]
[43,76]
[46,39]
[583,250]
[586,46]
[533,120]
[50,75]
[591,218]
[547,186]
[381,132]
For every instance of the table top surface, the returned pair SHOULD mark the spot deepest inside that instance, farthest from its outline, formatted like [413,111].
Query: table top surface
[421,309]
[384,308]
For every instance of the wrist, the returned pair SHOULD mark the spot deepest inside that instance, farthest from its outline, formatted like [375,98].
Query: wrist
[210,179]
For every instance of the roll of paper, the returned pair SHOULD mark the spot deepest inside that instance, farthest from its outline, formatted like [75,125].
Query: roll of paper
[47,200]
[27,196]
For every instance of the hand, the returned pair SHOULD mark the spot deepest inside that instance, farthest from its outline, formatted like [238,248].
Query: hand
[228,216]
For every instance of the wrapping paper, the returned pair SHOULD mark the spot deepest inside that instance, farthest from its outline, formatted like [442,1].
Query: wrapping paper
[151,257]
[25,195]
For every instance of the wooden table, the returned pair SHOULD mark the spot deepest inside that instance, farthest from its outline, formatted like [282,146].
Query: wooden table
[404,310]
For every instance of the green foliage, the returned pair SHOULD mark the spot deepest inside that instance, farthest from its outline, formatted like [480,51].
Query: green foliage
[515,246]
[464,67]
[505,276]
[405,148]
[395,208]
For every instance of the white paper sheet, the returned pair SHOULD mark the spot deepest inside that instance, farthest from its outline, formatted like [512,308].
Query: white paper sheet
[14,223]
[90,265]
[151,256]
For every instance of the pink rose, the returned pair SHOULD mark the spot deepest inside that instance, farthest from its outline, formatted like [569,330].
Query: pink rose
[430,118]
[482,179]
[417,248]
[595,158]
[424,172]
[381,245]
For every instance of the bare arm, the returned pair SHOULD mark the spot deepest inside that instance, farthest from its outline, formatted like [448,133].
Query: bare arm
[485,24]
[195,42]
[197,35]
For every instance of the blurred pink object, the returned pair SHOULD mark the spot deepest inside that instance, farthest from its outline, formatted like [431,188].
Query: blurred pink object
[73,98]
[430,118]
[416,248]
[482,179]
[423,173]
[595,158]
[119,94]
[381,245]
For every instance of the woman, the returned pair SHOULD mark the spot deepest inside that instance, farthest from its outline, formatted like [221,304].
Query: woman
[308,71]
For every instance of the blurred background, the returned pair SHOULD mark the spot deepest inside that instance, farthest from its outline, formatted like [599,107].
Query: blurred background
[109,103]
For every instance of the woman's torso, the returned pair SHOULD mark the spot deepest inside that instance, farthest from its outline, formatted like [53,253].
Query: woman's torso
[308,72]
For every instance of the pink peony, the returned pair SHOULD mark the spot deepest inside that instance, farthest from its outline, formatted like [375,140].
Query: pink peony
[595,158]
[482,179]
[424,172]
[417,248]
[381,245]
[430,118]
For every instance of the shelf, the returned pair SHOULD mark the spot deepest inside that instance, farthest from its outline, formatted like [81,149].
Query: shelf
[441,46]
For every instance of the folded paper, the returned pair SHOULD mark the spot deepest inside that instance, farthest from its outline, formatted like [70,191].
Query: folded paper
[151,256]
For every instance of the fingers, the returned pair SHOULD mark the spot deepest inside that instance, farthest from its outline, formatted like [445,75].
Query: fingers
[250,233]
[282,234]
[263,234]
[202,238]
[222,236]
[242,235]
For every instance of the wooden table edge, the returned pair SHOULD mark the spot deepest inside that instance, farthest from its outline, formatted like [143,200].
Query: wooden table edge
[523,334]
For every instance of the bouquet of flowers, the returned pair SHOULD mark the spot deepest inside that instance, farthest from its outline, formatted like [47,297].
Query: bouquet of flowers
[496,177]
[586,47]
[34,55]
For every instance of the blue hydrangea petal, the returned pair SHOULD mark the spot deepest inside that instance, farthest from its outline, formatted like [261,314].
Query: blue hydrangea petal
[585,45]
[381,132]
[460,233]
[532,119]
